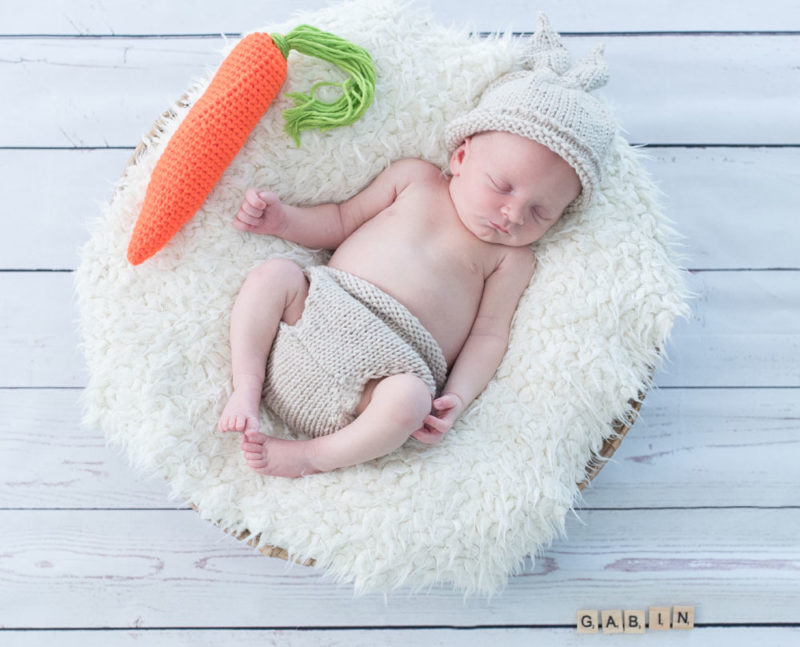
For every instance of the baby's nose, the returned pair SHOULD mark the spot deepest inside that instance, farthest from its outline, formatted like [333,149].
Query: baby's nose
[513,214]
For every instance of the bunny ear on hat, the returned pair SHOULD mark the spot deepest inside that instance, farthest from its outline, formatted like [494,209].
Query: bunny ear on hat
[546,49]
[590,73]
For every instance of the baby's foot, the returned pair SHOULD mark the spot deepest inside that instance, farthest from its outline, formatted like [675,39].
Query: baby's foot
[276,456]
[241,412]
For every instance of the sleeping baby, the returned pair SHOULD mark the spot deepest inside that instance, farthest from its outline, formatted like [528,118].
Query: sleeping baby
[409,320]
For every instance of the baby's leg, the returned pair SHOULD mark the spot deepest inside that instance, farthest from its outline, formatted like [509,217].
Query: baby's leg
[398,407]
[275,291]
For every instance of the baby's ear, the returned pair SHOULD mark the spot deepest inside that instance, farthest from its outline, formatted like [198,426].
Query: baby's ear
[458,156]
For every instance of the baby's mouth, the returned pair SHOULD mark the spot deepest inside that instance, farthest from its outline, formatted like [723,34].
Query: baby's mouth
[494,225]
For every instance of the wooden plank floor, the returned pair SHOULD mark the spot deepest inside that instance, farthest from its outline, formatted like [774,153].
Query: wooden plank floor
[699,506]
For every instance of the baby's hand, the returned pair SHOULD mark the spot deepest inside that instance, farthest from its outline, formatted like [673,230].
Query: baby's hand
[261,212]
[447,409]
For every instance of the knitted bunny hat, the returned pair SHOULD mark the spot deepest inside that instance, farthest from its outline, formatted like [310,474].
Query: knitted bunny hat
[549,101]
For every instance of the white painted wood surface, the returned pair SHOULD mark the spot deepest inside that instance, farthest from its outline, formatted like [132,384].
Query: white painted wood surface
[666,90]
[700,504]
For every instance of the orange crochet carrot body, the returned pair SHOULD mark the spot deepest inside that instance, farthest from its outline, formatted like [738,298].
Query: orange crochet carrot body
[218,124]
[206,142]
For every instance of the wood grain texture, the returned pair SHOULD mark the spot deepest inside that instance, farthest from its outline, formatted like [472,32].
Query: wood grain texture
[697,448]
[391,637]
[107,92]
[38,331]
[107,17]
[743,331]
[48,460]
[67,188]
[168,568]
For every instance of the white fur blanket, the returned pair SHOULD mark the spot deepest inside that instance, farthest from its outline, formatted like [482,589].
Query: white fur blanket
[466,513]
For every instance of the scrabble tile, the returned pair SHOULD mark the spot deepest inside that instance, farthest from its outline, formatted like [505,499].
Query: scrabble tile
[634,622]
[659,618]
[611,621]
[682,617]
[587,621]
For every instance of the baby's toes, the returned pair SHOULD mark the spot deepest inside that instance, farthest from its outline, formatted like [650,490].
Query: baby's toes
[253,441]
[246,424]
[256,463]
[254,454]
[254,436]
[227,423]
[252,448]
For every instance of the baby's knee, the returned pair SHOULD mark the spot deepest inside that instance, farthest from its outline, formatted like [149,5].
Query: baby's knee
[281,270]
[408,398]
[284,279]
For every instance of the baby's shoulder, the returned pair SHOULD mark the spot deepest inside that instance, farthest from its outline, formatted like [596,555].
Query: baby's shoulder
[516,261]
[416,170]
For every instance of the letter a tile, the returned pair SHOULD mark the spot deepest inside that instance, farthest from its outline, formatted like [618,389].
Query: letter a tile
[611,621]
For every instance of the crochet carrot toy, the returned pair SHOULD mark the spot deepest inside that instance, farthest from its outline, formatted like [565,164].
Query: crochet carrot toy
[216,127]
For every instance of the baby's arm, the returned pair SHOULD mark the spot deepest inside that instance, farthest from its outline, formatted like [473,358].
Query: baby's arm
[325,226]
[486,344]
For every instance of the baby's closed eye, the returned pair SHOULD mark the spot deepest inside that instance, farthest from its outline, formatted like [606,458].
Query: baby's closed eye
[499,185]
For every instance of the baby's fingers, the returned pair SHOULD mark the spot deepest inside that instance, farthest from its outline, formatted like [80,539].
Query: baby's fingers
[243,219]
[255,199]
[252,208]
[446,402]
[424,435]
[432,430]
[440,425]
[250,213]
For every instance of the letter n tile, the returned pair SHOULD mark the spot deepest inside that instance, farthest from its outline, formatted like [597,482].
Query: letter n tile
[683,617]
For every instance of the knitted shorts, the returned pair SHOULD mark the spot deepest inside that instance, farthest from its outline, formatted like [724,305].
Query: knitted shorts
[350,332]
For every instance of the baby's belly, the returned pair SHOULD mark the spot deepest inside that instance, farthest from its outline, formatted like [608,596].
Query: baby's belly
[444,304]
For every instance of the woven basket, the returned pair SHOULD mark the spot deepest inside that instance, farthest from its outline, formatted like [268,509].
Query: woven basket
[610,445]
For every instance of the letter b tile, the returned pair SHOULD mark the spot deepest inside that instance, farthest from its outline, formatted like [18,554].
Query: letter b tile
[634,622]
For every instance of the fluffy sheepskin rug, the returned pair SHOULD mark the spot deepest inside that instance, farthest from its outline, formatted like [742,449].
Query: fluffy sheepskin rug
[464,513]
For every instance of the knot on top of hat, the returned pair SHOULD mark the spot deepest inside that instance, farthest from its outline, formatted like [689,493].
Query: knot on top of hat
[546,51]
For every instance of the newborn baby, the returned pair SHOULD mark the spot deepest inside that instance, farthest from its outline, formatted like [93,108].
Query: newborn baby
[410,319]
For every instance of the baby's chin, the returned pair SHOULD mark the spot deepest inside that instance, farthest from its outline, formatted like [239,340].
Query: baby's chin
[495,237]
[487,234]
